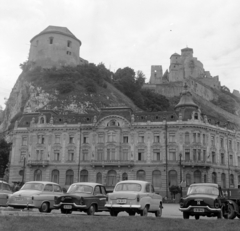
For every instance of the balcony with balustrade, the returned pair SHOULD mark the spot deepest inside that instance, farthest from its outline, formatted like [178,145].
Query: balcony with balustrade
[112,163]
[196,163]
[37,163]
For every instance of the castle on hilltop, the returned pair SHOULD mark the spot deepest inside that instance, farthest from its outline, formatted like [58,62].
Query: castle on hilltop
[55,47]
[183,67]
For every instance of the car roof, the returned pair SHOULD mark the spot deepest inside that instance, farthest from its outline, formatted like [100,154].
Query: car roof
[134,181]
[207,184]
[88,183]
[43,182]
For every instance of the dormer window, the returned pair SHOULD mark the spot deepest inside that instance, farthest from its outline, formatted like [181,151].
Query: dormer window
[42,120]
[196,116]
[69,43]
[51,40]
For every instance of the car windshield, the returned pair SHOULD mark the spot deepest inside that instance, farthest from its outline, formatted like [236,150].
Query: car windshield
[76,188]
[4,186]
[33,186]
[128,187]
[203,189]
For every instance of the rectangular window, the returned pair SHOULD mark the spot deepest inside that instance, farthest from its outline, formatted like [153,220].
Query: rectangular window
[51,40]
[39,154]
[85,154]
[156,154]
[70,155]
[213,158]
[156,139]
[71,139]
[56,155]
[85,140]
[125,154]
[100,155]
[212,141]
[172,154]
[199,155]
[231,160]
[24,141]
[239,163]
[100,138]
[230,144]
[194,154]
[187,138]
[23,155]
[221,143]
[222,158]
[187,155]
[140,154]
[204,155]
[172,137]
[57,139]
[204,139]
[141,139]
[198,138]
[111,137]
[125,139]
[41,139]
[194,137]
[69,43]
[108,154]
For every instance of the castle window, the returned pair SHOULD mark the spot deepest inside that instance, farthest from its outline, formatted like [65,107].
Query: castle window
[69,53]
[196,116]
[51,40]
[69,43]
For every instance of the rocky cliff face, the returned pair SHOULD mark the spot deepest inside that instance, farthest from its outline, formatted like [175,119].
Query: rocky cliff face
[31,94]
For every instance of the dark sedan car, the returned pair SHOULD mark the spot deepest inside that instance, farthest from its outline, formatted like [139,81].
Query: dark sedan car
[203,199]
[84,197]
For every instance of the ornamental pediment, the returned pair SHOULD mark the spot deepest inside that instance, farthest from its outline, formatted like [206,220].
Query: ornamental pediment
[113,121]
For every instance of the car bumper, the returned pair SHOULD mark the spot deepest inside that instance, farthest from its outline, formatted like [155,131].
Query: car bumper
[74,206]
[206,209]
[122,206]
[21,205]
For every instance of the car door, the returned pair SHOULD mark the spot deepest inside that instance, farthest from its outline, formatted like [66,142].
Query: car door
[155,199]
[57,191]
[97,196]
[148,195]
[103,198]
[48,194]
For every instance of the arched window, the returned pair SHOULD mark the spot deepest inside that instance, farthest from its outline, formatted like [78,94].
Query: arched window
[55,176]
[111,178]
[69,177]
[197,177]
[187,138]
[172,178]
[99,178]
[141,175]
[196,116]
[214,177]
[124,176]
[38,175]
[231,180]
[223,180]
[156,178]
[188,179]
[42,120]
[84,176]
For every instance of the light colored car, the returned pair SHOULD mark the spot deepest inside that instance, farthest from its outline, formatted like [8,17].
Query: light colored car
[133,196]
[36,194]
[5,192]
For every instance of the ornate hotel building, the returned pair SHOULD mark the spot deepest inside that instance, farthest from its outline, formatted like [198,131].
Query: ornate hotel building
[116,144]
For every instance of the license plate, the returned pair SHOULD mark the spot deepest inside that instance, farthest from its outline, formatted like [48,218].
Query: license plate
[18,198]
[67,207]
[121,201]
[198,210]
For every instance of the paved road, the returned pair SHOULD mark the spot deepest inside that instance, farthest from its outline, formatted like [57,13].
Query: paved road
[169,211]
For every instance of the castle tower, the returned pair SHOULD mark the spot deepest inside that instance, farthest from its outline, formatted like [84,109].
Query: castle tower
[156,74]
[176,68]
[186,52]
[55,46]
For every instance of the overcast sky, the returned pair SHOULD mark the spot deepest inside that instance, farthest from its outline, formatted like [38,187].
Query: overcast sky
[121,33]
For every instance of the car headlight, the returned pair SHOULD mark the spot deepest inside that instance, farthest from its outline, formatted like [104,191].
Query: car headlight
[181,203]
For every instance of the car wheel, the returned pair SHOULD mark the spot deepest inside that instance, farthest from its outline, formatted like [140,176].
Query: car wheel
[197,217]
[158,213]
[131,213]
[45,208]
[66,211]
[185,215]
[144,212]
[230,213]
[91,210]
[113,213]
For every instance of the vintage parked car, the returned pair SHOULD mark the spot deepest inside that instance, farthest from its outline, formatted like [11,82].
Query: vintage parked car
[83,197]
[203,199]
[5,192]
[134,196]
[36,194]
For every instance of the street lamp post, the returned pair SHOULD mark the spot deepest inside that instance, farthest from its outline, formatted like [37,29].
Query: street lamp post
[228,163]
[166,153]
[180,165]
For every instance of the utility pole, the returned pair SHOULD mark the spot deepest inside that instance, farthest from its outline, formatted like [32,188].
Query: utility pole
[166,153]
[228,163]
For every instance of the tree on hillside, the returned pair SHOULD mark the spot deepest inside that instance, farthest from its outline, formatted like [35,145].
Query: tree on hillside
[140,79]
[4,156]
